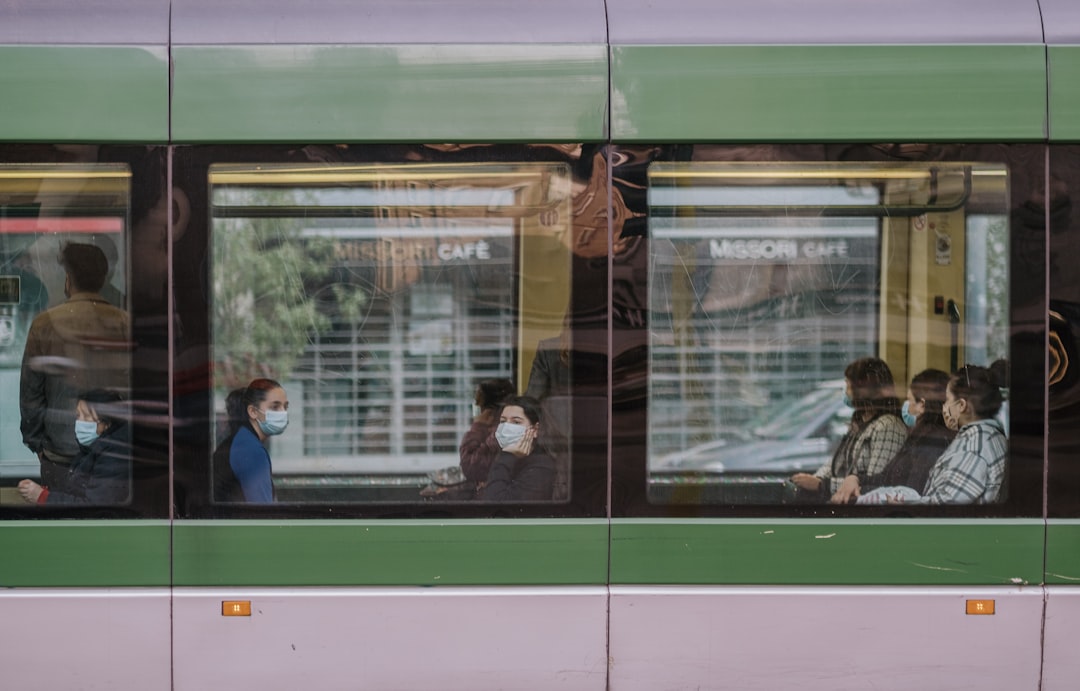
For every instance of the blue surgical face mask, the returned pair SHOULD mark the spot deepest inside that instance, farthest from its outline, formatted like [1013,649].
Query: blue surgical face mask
[847,400]
[905,412]
[275,423]
[509,433]
[86,432]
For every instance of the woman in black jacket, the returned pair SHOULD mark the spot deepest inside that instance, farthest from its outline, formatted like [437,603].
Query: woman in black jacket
[101,474]
[927,440]
[521,471]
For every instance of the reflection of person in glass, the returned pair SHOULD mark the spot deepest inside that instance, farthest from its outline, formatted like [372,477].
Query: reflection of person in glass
[550,373]
[81,344]
[242,470]
[479,447]
[101,473]
[875,434]
[521,471]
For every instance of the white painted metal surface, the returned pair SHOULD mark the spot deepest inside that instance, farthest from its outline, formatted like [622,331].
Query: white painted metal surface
[58,639]
[392,638]
[234,22]
[831,639]
[1061,663]
[798,22]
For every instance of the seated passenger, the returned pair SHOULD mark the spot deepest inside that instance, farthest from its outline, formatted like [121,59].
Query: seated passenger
[925,443]
[521,471]
[972,469]
[479,447]
[242,470]
[101,472]
[874,436]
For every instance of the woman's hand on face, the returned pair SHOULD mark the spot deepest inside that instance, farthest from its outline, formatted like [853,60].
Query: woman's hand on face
[848,492]
[806,481]
[30,491]
[523,447]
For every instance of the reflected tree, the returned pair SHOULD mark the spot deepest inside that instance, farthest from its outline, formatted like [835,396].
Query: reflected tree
[275,290]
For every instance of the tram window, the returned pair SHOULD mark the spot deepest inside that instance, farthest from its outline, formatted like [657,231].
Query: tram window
[65,333]
[769,280]
[378,297]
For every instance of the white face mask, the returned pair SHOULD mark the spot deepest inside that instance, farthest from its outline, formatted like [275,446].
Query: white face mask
[86,432]
[475,410]
[508,434]
[275,423]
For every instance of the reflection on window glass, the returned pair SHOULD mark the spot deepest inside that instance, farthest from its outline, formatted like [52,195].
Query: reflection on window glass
[65,338]
[374,305]
[792,305]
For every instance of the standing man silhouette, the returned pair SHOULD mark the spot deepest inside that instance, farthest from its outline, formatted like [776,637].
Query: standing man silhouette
[81,344]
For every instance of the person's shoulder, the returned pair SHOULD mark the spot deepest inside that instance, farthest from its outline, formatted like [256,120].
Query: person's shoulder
[990,426]
[106,308]
[43,319]
[540,460]
[245,437]
[888,422]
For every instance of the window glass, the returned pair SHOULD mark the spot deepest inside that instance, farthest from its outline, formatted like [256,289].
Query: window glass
[390,308]
[790,306]
[1063,480]
[65,333]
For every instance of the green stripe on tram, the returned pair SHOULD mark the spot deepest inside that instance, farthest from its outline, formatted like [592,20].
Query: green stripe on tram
[827,552]
[394,552]
[1063,552]
[1064,93]
[60,94]
[846,93]
[80,553]
[395,93]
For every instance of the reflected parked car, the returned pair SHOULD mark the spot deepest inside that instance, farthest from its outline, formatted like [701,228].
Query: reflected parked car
[797,436]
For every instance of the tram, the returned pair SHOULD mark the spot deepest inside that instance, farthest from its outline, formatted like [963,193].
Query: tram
[671,225]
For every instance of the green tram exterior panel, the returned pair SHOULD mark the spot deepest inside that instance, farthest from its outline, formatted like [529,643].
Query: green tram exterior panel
[833,552]
[1063,552]
[544,92]
[534,552]
[840,93]
[392,552]
[1064,99]
[404,93]
[85,553]
[72,94]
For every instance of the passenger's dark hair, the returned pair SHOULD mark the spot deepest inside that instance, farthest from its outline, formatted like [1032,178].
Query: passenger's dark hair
[529,405]
[493,392]
[929,387]
[255,393]
[872,389]
[979,387]
[235,410]
[103,403]
[85,265]
[1000,370]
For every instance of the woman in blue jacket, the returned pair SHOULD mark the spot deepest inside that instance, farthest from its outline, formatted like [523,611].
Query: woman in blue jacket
[242,470]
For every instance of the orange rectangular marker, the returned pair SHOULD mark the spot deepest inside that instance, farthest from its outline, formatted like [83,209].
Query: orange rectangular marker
[236,608]
[980,606]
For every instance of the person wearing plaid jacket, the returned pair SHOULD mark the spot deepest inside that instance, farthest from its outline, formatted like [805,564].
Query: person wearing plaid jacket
[876,432]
